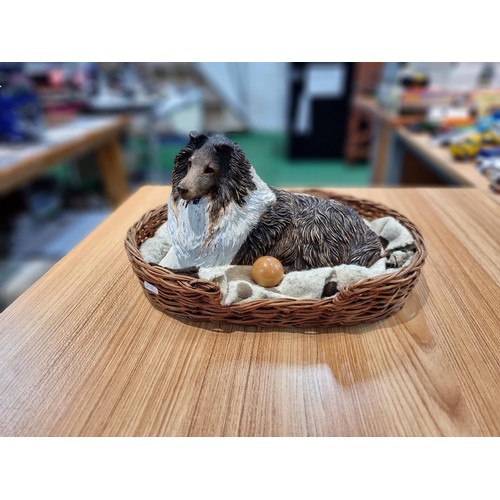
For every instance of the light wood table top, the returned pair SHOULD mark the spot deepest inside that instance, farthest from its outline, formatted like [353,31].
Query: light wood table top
[22,163]
[82,352]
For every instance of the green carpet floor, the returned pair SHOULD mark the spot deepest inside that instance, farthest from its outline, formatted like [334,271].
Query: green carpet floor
[267,153]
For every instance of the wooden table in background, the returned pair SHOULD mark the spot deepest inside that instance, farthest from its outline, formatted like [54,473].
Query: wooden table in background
[438,160]
[19,164]
[82,352]
[385,125]
[402,157]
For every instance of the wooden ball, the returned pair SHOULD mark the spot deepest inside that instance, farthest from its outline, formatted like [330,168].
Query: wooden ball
[267,271]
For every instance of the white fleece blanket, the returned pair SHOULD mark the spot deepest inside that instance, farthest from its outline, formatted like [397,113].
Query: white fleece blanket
[236,283]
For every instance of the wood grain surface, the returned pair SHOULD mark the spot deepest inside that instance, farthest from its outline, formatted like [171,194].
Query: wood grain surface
[82,352]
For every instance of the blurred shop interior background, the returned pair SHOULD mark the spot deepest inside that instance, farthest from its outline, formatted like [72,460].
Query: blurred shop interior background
[77,138]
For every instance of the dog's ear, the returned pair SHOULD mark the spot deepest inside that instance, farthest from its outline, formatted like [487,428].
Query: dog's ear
[223,147]
[197,139]
[193,135]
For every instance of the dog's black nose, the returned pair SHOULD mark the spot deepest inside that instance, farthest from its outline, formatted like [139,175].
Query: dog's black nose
[182,190]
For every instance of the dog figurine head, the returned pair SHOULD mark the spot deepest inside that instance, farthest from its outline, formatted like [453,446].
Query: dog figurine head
[211,166]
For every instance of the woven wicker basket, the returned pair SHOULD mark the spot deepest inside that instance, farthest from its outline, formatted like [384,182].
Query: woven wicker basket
[196,299]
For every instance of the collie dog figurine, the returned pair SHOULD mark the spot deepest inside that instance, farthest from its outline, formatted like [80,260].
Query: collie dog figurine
[221,212]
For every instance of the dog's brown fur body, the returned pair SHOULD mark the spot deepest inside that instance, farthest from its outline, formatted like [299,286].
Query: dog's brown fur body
[306,232]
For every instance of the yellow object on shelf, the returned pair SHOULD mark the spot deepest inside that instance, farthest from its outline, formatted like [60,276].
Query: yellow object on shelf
[467,148]
[490,138]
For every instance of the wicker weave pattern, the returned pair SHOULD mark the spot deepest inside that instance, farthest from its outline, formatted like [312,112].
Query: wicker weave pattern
[196,299]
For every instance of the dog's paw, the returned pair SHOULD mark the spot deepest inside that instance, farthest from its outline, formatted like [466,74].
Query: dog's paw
[329,290]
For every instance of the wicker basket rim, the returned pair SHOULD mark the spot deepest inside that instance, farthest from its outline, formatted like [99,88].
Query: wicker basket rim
[132,247]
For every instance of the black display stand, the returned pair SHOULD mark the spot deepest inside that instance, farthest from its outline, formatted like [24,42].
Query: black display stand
[325,133]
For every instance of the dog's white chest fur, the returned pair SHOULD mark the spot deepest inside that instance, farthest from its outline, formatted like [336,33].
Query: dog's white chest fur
[188,229]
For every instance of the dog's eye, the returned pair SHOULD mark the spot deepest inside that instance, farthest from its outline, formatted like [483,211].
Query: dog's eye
[209,170]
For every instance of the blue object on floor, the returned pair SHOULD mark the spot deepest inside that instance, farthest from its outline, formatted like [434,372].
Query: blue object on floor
[73,228]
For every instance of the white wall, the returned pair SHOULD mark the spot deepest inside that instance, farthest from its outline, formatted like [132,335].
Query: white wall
[268,95]
[257,90]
